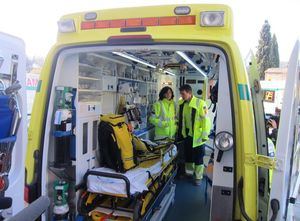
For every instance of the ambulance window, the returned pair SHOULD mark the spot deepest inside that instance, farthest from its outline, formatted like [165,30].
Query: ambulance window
[85,138]
[95,134]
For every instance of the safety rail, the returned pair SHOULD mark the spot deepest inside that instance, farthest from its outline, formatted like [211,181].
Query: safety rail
[109,175]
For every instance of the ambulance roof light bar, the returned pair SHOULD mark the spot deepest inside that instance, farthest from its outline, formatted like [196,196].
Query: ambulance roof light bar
[185,57]
[135,59]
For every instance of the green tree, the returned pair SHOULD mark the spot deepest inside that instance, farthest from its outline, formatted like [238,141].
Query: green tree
[264,49]
[274,52]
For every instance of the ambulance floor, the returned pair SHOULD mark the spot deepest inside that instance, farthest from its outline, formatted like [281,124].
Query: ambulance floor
[189,203]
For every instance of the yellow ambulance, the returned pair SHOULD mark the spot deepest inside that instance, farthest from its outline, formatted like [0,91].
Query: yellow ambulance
[103,58]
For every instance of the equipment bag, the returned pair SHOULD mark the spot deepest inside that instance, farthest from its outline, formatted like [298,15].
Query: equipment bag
[115,143]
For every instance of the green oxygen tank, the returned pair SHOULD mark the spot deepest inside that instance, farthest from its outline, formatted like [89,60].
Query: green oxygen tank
[61,207]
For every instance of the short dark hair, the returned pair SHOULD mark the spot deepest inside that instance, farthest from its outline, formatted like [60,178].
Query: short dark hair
[186,87]
[163,91]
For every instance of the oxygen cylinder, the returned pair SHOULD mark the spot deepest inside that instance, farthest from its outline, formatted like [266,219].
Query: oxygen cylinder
[61,207]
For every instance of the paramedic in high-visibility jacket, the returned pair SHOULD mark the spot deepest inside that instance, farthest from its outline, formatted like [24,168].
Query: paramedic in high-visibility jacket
[194,127]
[163,115]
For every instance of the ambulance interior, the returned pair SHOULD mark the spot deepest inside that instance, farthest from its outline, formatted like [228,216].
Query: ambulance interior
[92,81]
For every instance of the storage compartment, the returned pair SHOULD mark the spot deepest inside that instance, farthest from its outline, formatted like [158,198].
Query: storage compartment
[109,83]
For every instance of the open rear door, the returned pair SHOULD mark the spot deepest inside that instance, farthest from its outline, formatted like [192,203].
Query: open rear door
[261,138]
[285,183]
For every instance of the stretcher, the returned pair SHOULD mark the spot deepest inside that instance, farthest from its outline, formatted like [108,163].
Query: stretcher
[133,195]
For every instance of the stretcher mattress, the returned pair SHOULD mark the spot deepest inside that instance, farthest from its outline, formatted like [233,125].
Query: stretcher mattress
[138,177]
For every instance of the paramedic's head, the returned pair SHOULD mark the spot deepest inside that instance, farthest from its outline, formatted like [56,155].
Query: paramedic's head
[186,92]
[166,92]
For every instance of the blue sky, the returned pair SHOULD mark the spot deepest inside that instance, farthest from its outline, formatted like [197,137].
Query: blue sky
[36,20]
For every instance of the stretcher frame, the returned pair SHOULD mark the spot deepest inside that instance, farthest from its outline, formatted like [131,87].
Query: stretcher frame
[136,198]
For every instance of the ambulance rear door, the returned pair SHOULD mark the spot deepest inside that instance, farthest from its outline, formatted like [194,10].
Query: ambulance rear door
[261,139]
[285,182]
